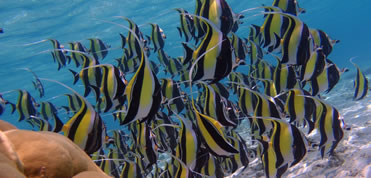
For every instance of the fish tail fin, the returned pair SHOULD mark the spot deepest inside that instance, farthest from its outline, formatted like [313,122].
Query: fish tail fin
[123,41]
[68,59]
[188,53]
[13,107]
[75,76]
[180,31]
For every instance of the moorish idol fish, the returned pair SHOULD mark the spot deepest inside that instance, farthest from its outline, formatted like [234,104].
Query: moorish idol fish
[130,169]
[75,56]
[212,134]
[74,103]
[188,144]
[219,13]
[134,45]
[145,144]
[186,25]
[214,56]
[108,165]
[171,95]
[322,40]
[143,91]
[98,49]
[314,66]
[360,84]
[300,108]
[112,86]
[157,37]
[90,77]
[214,106]
[128,65]
[86,127]
[329,126]
[284,77]
[295,41]
[49,113]
[255,35]
[289,6]
[37,83]
[327,79]
[58,54]
[26,105]
[273,28]
[286,147]
[239,50]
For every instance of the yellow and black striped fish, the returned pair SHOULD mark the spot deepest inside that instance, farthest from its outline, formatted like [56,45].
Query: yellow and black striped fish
[75,56]
[300,108]
[134,48]
[49,112]
[325,81]
[85,128]
[58,54]
[128,65]
[212,134]
[322,40]
[360,84]
[108,164]
[74,103]
[171,93]
[287,146]
[188,145]
[112,86]
[219,13]
[3,103]
[26,105]
[295,41]
[157,37]
[214,106]
[90,76]
[314,66]
[284,77]
[143,93]
[329,126]
[273,28]
[98,49]
[289,6]
[214,56]
[130,169]
[186,25]
[145,145]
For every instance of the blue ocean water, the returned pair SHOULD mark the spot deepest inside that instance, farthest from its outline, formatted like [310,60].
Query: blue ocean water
[25,22]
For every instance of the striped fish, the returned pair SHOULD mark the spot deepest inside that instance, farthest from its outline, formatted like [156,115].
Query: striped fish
[214,56]
[58,54]
[75,56]
[26,105]
[157,37]
[219,13]
[86,127]
[322,40]
[143,93]
[49,113]
[360,84]
[98,49]
[186,25]
[212,134]
[90,76]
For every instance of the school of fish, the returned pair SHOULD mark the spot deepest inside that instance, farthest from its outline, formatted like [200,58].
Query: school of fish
[182,116]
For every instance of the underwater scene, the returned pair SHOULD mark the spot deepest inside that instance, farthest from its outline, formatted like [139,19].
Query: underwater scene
[199,88]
